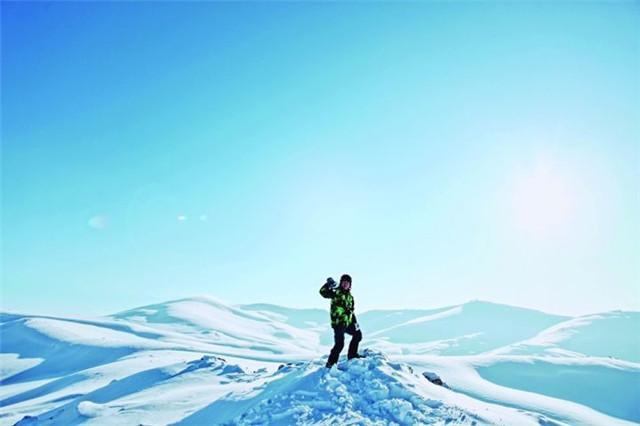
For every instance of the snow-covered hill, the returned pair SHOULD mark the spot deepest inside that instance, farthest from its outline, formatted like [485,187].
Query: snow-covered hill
[208,321]
[202,361]
[606,335]
[472,328]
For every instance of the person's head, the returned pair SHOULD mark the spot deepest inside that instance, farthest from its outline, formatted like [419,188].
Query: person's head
[345,282]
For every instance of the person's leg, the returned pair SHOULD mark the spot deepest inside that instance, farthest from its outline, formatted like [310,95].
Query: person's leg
[354,331]
[338,339]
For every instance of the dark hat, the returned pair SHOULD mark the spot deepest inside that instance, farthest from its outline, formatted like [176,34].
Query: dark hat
[345,277]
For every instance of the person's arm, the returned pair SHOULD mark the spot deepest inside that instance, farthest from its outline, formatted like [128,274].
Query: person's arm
[351,310]
[328,290]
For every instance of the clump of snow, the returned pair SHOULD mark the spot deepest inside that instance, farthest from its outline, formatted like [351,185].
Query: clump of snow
[89,409]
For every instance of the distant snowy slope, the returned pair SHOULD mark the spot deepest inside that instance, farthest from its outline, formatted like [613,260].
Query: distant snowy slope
[612,334]
[315,320]
[471,328]
[211,320]
[376,320]
[301,318]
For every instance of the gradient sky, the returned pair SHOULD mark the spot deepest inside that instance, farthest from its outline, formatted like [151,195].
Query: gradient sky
[437,152]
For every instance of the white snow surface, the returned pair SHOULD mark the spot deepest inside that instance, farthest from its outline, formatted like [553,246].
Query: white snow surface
[201,361]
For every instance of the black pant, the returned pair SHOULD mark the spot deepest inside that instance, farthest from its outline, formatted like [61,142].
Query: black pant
[338,338]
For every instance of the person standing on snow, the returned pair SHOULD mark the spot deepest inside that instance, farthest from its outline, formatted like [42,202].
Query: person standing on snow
[343,319]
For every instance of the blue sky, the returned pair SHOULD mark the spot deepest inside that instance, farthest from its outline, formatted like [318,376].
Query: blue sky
[437,152]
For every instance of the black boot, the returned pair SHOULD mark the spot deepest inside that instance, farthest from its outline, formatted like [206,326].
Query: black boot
[353,345]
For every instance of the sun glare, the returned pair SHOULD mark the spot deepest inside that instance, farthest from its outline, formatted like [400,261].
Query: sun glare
[543,200]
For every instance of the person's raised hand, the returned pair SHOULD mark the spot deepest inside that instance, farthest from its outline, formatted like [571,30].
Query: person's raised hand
[331,283]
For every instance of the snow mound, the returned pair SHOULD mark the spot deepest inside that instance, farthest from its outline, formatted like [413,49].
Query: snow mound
[89,409]
[367,391]
[355,391]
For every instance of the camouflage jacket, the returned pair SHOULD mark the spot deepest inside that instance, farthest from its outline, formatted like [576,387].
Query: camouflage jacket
[342,305]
